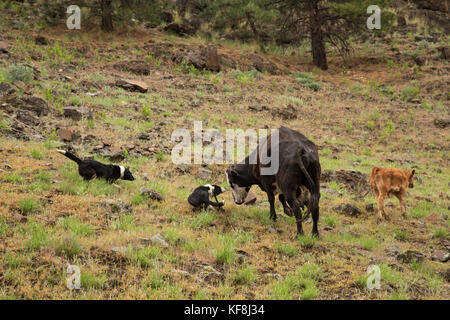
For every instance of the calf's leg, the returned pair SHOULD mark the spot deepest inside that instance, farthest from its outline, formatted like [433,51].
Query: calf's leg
[401,198]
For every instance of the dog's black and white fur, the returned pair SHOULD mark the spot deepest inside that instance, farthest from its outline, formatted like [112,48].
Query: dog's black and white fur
[201,196]
[90,169]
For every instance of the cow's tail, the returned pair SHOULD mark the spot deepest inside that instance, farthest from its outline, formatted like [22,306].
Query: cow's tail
[70,156]
[313,188]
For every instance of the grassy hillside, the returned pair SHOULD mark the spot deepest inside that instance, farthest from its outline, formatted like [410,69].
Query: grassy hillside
[377,108]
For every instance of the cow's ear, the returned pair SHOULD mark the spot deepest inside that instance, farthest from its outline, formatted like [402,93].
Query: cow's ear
[233,173]
[413,172]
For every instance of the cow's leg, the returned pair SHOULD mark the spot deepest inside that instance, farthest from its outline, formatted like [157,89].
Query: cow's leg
[271,197]
[314,208]
[295,206]
[286,209]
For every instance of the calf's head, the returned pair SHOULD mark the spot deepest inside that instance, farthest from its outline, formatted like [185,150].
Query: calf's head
[411,178]
[239,183]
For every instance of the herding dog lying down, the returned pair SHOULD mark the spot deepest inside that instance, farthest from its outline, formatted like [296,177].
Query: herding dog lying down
[391,182]
[90,169]
[201,197]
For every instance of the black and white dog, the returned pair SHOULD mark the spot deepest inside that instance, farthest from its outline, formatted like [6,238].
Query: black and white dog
[90,169]
[201,196]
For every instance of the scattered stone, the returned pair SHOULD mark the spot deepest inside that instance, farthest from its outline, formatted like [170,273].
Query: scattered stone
[258,108]
[441,256]
[4,48]
[275,276]
[445,52]
[132,85]
[420,60]
[441,123]
[151,194]
[77,113]
[287,113]
[6,89]
[272,230]
[180,272]
[7,166]
[68,135]
[158,239]
[180,29]
[120,249]
[115,207]
[401,21]
[352,180]
[328,228]
[204,174]
[332,192]
[183,168]
[29,103]
[347,209]
[370,207]
[41,40]
[212,59]
[144,136]
[20,218]
[421,224]
[410,256]
[250,199]
[136,66]
[393,250]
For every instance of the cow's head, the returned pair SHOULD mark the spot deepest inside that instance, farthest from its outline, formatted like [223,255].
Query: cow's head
[411,178]
[239,183]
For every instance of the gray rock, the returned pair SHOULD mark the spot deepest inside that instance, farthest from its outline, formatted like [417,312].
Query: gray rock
[181,272]
[393,250]
[77,113]
[204,174]
[347,209]
[410,256]
[132,85]
[115,207]
[158,239]
[332,192]
[6,89]
[271,230]
[151,194]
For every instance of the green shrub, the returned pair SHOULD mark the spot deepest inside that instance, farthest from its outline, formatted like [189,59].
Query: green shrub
[28,205]
[19,72]
[245,276]
[409,93]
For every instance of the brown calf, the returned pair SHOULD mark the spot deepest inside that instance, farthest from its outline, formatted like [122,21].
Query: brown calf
[390,182]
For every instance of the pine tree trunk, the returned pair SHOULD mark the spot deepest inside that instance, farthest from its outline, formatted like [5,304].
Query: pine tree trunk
[317,44]
[107,21]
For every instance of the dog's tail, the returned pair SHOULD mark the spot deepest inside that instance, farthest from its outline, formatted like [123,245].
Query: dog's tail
[70,156]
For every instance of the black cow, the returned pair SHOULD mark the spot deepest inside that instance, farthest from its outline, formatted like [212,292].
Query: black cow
[297,180]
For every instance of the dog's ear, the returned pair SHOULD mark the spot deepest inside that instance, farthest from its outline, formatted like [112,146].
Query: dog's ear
[413,172]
